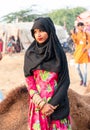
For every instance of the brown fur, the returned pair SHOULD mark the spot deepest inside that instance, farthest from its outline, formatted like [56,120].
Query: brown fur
[79,110]
[14,110]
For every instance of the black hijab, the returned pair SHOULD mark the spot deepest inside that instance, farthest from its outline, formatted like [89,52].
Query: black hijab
[49,56]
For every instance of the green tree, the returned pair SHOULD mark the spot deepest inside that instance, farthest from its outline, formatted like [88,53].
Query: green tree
[23,15]
[61,16]
[67,16]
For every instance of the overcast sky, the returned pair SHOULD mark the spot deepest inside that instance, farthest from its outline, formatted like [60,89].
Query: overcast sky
[9,6]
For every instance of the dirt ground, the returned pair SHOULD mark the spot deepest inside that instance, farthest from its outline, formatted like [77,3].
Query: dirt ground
[12,75]
[11,72]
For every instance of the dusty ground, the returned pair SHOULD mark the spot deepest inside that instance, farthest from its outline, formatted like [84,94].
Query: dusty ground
[11,73]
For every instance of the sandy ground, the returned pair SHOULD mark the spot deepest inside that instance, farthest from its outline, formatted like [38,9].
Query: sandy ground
[11,73]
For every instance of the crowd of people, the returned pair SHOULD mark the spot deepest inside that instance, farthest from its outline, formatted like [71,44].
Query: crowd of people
[12,45]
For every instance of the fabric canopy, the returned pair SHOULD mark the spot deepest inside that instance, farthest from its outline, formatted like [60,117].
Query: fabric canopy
[85,18]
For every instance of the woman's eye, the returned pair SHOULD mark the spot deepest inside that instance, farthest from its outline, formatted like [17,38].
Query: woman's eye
[34,32]
[39,31]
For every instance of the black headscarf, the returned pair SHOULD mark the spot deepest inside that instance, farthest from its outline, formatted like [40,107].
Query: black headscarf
[49,56]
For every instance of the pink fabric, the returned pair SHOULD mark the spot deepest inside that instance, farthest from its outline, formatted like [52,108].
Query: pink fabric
[31,85]
[44,83]
[1,46]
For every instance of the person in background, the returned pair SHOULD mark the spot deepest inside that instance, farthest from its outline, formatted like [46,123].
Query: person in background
[71,45]
[10,45]
[17,46]
[1,45]
[47,77]
[0,56]
[82,44]
[1,48]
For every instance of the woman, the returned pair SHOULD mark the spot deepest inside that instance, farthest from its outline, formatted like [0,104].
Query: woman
[82,44]
[46,72]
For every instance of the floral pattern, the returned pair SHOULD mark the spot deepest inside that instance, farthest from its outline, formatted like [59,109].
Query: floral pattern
[45,83]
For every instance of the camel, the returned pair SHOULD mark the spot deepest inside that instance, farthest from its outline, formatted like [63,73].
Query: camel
[14,110]
[79,110]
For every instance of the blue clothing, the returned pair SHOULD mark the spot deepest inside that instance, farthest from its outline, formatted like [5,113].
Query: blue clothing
[83,76]
[1,96]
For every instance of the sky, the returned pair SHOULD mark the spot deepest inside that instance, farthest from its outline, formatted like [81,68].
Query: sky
[9,6]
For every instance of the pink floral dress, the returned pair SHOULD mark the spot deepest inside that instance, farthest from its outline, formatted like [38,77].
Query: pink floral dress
[44,83]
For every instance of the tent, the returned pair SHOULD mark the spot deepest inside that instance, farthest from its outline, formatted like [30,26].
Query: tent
[22,30]
[85,18]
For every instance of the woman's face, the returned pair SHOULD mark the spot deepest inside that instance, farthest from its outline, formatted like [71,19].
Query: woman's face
[40,36]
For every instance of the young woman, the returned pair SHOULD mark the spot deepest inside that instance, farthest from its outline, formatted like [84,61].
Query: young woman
[47,76]
[82,44]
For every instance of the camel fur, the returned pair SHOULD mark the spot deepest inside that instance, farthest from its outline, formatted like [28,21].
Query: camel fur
[14,110]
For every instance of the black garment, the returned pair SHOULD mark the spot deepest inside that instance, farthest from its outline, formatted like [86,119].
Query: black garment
[50,57]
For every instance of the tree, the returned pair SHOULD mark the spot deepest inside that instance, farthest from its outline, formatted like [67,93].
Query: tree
[67,16]
[23,15]
[61,16]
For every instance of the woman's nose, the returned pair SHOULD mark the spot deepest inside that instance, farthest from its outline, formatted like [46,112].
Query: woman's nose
[38,34]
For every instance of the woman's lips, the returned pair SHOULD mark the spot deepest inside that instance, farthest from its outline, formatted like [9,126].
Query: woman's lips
[40,39]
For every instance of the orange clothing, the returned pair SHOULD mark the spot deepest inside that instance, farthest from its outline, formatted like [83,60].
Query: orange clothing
[80,39]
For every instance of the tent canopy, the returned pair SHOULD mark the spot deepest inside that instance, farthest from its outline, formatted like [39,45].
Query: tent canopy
[85,18]
[22,30]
